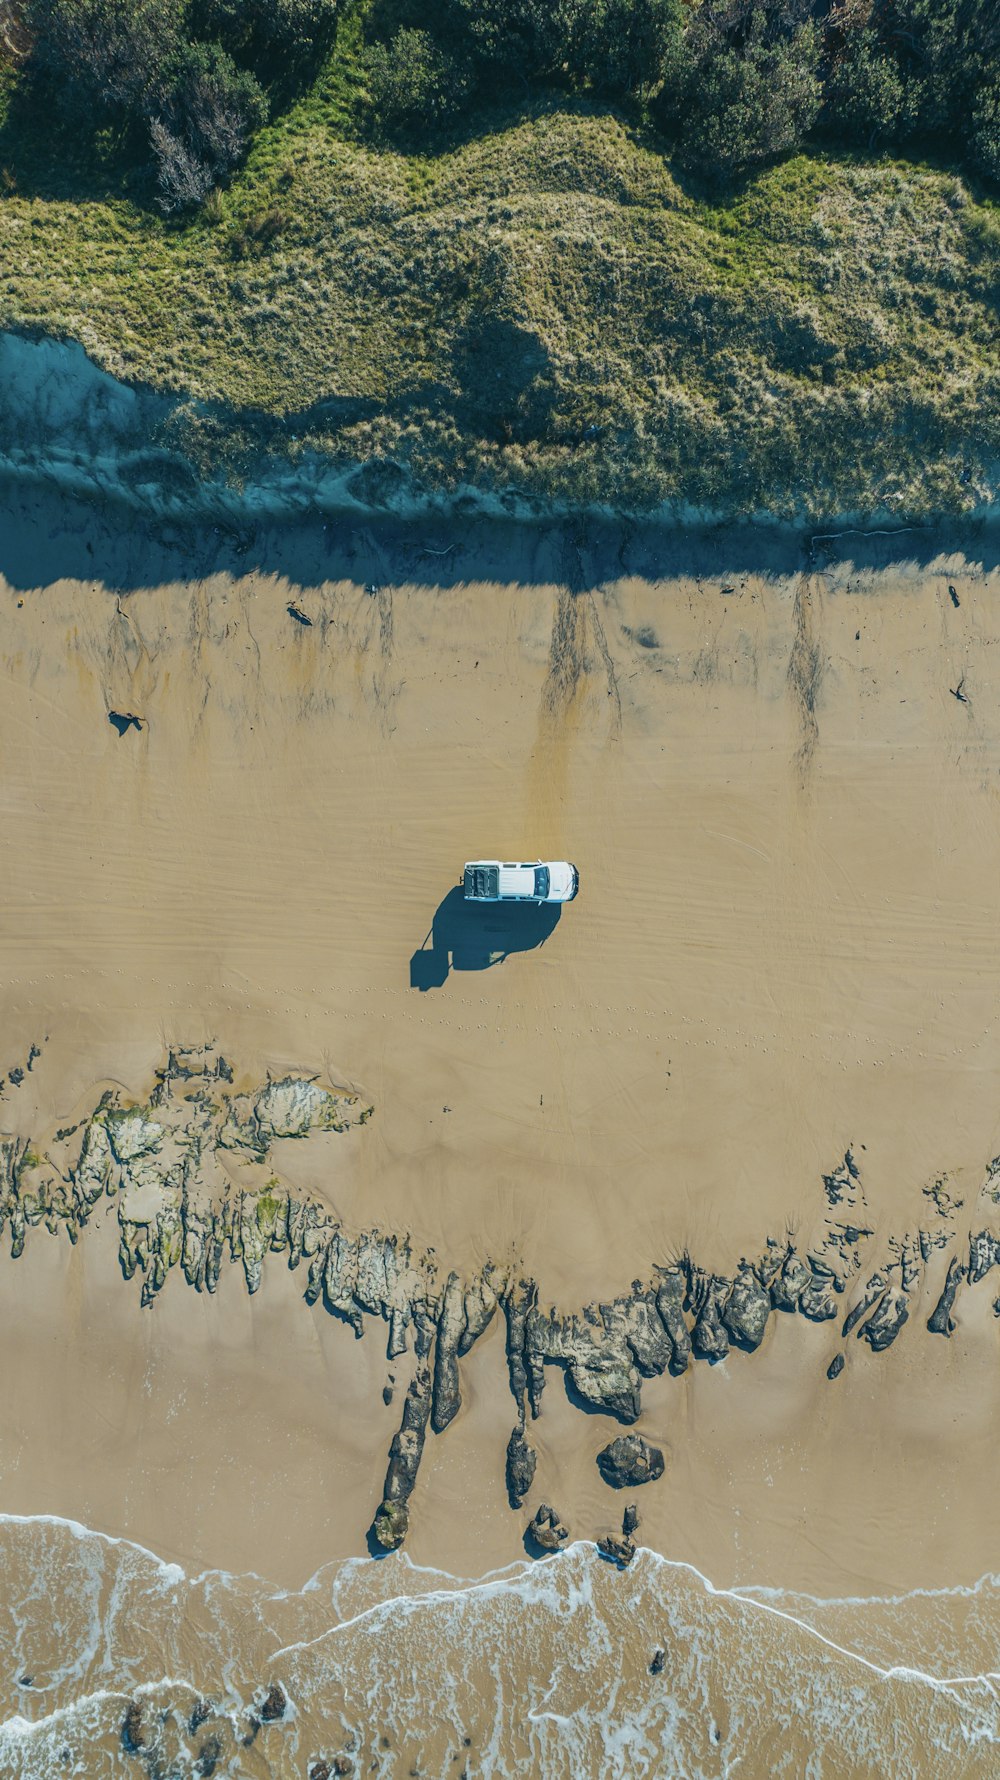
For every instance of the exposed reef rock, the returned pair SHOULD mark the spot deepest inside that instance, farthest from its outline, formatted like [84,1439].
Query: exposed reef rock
[940,1320]
[190,1176]
[629,1461]
[618,1547]
[521,1462]
[546,1530]
[746,1309]
[272,1703]
[393,1518]
[391,1525]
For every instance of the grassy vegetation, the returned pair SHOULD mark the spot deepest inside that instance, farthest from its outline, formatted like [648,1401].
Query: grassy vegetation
[545,305]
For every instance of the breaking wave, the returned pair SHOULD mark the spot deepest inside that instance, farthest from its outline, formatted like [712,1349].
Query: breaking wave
[118,1664]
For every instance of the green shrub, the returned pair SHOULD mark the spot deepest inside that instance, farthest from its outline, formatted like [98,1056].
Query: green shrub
[748,87]
[271,36]
[117,55]
[631,45]
[413,83]
[867,99]
[206,124]
[986,131]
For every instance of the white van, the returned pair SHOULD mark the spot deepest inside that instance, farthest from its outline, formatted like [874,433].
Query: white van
[493,880]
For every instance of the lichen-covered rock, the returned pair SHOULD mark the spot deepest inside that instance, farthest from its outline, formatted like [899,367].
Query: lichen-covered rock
[790,1283]
[480,1305]
[746,1311]
[708,1337]
[520,1469]
[644,1333]
[293,1108]
[630,1460]
[608,1384]
[984,1253]
[130,1134]
[816,1300]
[392,1523]
[884,1324]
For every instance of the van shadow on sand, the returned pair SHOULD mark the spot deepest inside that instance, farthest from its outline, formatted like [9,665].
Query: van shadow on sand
[474,935]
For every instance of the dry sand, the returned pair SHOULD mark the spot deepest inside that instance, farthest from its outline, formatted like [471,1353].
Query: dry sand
[786,826]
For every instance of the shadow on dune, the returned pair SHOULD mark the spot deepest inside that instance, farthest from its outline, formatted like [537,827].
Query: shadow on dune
[473,936]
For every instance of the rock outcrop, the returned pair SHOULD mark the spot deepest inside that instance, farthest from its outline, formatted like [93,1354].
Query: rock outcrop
[940,1321]
[163,1167]
[617,1547]
[546,1530]
[393,1518]
[629,1461]
[520,1470]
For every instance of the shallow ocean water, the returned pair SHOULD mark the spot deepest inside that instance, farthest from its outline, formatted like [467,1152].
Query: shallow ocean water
[539,1669]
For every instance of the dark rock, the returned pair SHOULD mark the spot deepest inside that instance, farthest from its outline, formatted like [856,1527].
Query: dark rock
[840,1184]
[606,1382]
[872,1293]
[647,1339]
[408,1444]
[669,1308]
[391,1525]
[521,1462]
[543,1340]
[201,1712]
[629,1461]
[836,1366]
[816,1300]
[940,1320]
[447,1398]
[746,1310]
[546,1529]
[620,1550]
[881,1329]
[133,1730]
[789,1285]
[387,1394]
[630,1520]
[320,1770]
[209,1756]
[658,1663]
[274,1704]
[708,1337]
[517,1303]
[480,1306]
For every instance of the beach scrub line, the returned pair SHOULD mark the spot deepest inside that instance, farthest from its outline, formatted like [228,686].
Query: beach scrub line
[161,1162]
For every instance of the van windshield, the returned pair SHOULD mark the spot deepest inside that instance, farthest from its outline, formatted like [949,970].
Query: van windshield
[541,880]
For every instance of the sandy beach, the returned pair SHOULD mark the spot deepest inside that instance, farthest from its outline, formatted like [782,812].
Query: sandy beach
[780,787]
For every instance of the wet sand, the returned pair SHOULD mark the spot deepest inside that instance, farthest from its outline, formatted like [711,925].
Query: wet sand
[785,822]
